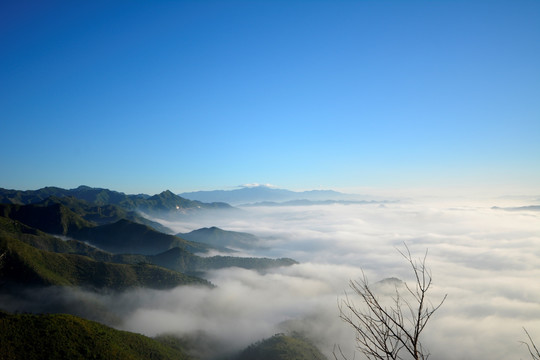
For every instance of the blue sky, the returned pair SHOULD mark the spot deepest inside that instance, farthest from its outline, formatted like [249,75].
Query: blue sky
[187,95]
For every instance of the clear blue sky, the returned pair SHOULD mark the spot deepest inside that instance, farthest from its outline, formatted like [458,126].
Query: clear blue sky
[184,95]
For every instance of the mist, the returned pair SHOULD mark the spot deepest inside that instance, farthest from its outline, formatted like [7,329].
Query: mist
[486,260]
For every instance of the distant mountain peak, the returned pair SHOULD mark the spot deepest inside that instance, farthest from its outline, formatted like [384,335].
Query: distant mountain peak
[167,193]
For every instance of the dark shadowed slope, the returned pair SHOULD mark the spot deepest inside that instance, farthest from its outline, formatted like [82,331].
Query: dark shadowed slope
[222,238]
[54,219]
[127,237]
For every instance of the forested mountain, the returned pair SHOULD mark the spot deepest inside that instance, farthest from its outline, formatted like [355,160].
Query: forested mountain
[51,239]
[163,202]
[102,214]
[46,259]
[23,264]
[60,336]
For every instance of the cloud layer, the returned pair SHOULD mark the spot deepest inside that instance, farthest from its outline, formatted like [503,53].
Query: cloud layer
[486,260]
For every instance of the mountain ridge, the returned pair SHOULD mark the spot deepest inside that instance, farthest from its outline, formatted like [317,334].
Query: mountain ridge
[165,201]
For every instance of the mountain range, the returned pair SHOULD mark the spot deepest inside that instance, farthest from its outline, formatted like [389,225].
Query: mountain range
[164,202]
[261,193]
[25,238]
[52,239]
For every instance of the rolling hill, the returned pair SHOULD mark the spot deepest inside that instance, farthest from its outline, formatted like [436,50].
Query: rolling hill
[282,347]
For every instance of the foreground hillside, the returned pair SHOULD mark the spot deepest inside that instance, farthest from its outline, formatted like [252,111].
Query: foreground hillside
[62,336]
[59,336]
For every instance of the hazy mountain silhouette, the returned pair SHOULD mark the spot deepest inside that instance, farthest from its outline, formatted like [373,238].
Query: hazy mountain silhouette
[264,193]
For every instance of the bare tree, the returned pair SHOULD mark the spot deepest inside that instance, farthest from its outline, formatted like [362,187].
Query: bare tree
[391,332]
[533,350]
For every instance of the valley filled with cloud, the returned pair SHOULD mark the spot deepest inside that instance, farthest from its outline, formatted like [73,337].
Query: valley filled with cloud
[485,259]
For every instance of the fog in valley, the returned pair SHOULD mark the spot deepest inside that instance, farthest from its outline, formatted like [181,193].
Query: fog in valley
[486,259]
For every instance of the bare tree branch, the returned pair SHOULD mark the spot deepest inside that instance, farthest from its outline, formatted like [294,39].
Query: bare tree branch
[389,332]
[533,350]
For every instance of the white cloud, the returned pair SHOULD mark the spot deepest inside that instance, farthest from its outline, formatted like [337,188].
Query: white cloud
[487,261]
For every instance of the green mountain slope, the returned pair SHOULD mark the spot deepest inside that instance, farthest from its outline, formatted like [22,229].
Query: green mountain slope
[20,197]
[29,337]
[125,236]
[26,265]
[222,238]
[101,214]
[176,258]
[44,241]
[282,347]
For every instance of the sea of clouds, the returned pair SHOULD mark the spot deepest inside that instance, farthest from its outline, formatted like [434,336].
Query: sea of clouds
[486,260]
